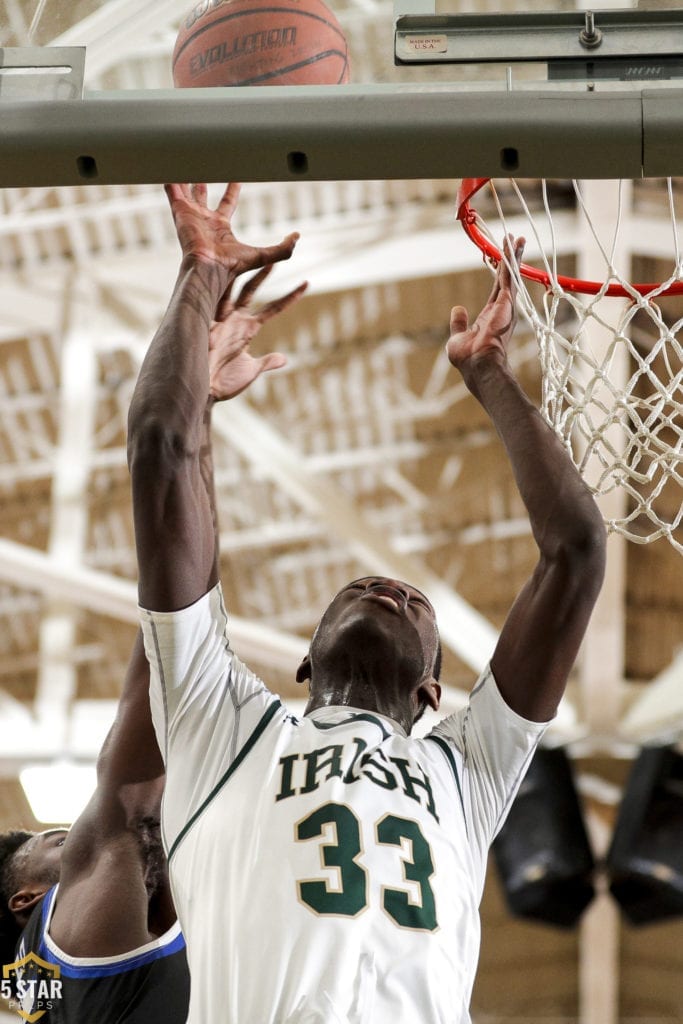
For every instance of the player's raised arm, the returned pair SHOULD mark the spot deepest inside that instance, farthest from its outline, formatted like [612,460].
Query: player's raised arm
[168,418]
[103,905]
[541,636]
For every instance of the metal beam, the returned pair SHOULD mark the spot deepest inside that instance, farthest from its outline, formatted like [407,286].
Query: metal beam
[602,660]
[108,595]
[294,133]
[69,509]
[599,941]
[635,37]
[602,657]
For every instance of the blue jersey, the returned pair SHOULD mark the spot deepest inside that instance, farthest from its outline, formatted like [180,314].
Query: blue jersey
[149,985]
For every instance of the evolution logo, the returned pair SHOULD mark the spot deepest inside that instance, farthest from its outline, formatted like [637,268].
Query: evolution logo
[253,43]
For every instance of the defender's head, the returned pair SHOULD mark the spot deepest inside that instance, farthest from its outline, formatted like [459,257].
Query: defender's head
[29,866]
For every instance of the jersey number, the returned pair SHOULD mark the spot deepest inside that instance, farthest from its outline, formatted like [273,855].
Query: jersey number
[350,896]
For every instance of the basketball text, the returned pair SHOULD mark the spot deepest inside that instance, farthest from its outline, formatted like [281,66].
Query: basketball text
[255,42]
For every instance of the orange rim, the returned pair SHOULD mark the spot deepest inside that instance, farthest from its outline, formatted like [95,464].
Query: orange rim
[469,219]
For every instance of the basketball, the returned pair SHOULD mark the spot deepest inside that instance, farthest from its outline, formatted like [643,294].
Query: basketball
[252,42]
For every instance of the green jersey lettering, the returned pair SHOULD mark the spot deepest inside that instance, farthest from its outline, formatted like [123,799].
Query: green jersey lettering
[316,762]
[388,781]
[286,788]
[411,781]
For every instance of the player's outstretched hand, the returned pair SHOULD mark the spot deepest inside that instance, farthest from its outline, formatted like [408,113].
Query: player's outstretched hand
[491,331]
[207,234]
[232,368]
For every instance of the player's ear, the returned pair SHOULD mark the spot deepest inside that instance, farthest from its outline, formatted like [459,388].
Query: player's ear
[430,691]
[21,903]
[304,670]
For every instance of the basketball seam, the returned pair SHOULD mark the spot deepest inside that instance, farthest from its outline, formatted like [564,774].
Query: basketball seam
[260,10]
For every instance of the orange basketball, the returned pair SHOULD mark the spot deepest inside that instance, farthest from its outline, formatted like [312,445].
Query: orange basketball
[260,42]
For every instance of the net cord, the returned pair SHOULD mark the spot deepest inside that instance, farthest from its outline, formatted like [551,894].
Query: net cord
[580,399]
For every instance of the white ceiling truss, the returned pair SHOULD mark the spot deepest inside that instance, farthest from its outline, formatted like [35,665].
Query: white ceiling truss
[97,309]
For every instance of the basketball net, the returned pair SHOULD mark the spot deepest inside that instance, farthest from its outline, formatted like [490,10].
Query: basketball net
[612,366]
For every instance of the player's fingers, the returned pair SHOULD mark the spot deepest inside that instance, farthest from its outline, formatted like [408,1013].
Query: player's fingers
[174,192]
[282,251]
[508,277]
[513,249]
[503,274]
[460,320]
[518,249]
[225,304]
[199,193]
[503,269]
[252,257]
[276,306]
[228,201]
[272,361]
[498,267]
[249,289]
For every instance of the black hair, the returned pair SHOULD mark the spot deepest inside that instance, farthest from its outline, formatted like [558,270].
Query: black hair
[10,930]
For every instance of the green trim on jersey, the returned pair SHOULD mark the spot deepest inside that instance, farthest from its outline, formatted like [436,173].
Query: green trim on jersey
[454,768]
[265,719]
[363,716]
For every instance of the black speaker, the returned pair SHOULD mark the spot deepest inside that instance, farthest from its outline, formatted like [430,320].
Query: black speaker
[542,852]
[645,858]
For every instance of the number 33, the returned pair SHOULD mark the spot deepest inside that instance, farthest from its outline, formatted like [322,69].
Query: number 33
[351,896]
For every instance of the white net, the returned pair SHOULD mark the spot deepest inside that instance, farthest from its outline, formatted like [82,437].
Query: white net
[612,366]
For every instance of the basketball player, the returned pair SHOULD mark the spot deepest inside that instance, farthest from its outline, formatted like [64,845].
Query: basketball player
[328,869]
[95,901]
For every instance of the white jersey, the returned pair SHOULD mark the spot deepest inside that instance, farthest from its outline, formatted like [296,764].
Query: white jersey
[328,869]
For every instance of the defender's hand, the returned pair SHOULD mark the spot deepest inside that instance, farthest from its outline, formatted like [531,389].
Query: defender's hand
[232,368]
